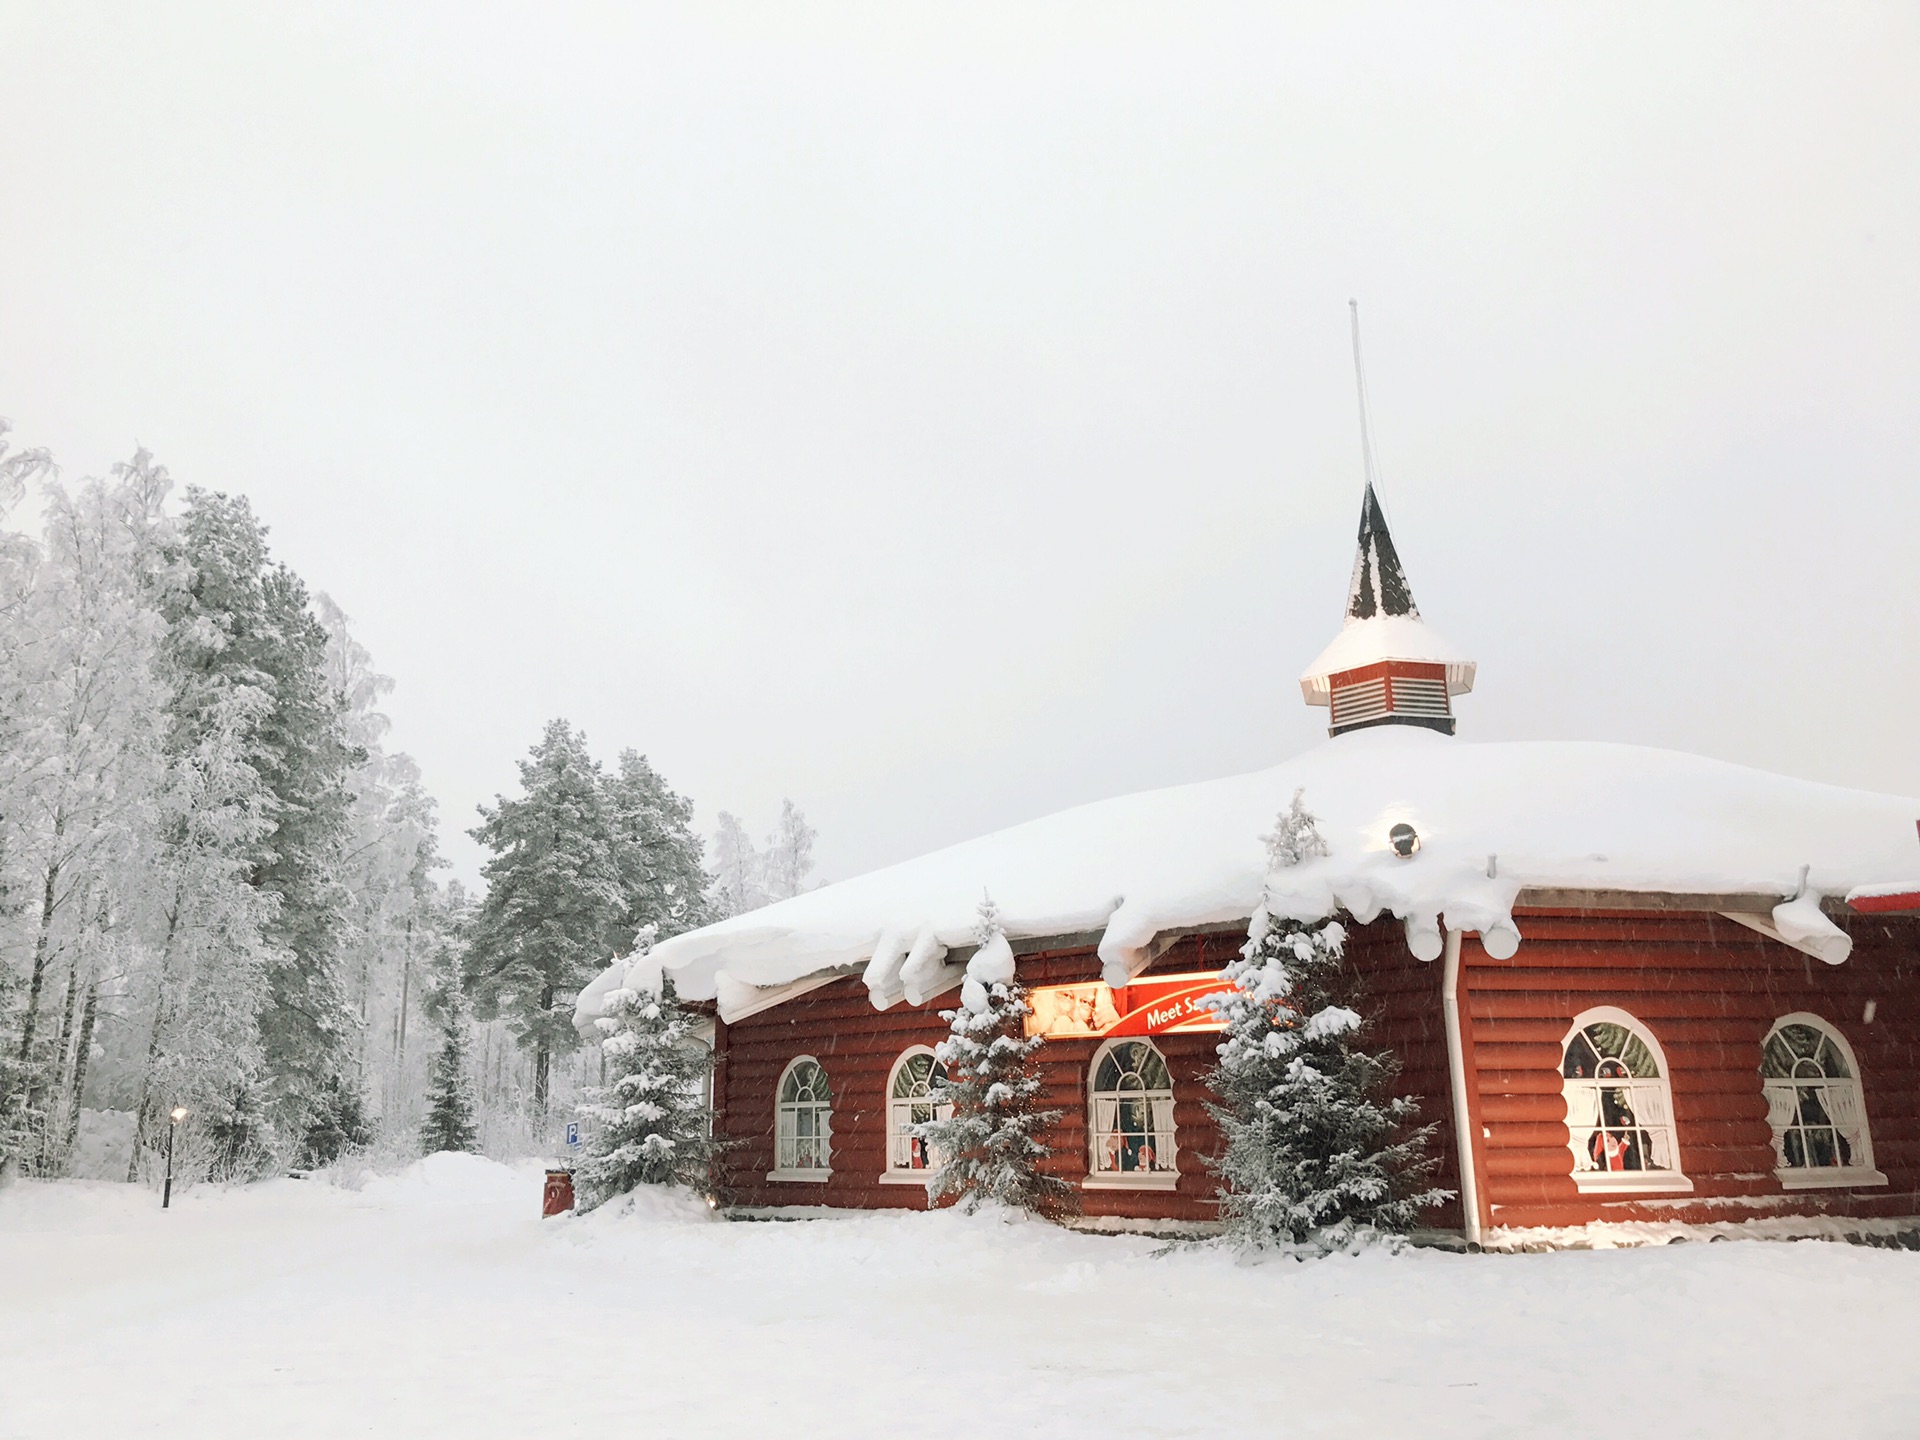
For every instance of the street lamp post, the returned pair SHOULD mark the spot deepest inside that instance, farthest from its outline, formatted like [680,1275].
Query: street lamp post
[173,1124]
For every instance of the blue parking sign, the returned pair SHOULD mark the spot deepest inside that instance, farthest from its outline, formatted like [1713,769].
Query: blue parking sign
[573,1132]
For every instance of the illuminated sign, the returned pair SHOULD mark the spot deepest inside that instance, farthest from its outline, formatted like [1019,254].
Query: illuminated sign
[1153,1005]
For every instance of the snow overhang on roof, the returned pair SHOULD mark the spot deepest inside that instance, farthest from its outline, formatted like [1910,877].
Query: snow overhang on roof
[1494,819]
[1385,637]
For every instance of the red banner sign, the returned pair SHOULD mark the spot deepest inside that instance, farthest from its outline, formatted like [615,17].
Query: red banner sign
[1154,1005]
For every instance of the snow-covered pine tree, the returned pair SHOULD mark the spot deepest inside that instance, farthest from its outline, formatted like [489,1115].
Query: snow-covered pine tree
[655,851]
[987,1150]
[238,1135]
[449,1099]
[738,880]
[339,1123]
[789,855]
[650,1124]
[203,982]
[745,877]
[553,896]
[388,871]
[1318,1152]
[244,619]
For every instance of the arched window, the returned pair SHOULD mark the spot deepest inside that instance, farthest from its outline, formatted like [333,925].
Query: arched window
[1130,1116]
[909,1103]
[1815,1107]
[1619,1106]
[803,1123]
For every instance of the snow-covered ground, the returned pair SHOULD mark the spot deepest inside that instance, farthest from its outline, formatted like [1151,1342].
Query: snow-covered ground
[437,1303]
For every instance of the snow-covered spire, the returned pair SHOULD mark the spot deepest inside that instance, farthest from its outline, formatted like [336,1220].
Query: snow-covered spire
[1379,584]
[1387,666]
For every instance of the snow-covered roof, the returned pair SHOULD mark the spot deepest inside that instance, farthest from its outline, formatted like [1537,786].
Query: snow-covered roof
[1385,637]
[1493,819]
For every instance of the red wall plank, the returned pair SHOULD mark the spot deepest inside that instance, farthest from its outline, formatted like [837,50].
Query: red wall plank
[1708,990]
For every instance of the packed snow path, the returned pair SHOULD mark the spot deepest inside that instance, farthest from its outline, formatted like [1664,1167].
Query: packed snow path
[436,1303]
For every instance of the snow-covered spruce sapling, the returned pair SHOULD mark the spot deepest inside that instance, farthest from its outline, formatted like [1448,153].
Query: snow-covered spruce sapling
[237,1133]
[649,1125]
[986,1150]
[449,1124]
[339,1124]
[1318,1151]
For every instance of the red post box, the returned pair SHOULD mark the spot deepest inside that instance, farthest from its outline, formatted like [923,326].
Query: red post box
[558,1198]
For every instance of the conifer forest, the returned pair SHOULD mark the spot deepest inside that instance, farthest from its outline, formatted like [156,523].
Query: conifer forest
[222,891]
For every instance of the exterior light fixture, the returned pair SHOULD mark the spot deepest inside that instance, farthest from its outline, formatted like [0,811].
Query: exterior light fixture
[1405,840]
[178,1114]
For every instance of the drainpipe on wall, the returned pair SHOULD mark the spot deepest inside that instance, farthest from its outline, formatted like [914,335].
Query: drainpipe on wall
[1457,1069]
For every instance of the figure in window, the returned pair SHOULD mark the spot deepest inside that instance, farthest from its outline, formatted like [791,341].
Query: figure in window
[1619,1109]
[1620,1145]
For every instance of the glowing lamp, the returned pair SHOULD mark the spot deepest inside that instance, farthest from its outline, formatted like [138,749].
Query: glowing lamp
[1405,840]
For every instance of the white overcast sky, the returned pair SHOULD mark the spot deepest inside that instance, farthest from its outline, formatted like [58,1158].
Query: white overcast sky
[943,415]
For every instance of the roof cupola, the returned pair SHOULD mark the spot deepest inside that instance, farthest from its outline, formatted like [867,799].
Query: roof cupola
[1387,666]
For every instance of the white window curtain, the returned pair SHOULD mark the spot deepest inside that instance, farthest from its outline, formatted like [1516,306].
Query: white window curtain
[1130,1112]
[1583,1117]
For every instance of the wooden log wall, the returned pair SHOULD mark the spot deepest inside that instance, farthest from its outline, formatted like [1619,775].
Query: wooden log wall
[1401,999]
[1709,990]
[858,1047]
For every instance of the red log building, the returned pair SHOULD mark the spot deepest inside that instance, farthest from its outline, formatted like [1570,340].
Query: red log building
[1625,985]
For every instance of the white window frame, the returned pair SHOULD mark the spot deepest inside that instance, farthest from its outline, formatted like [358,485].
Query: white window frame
[897,1174]
[1166,1174]
[1658,1090]
[1783,1102]
[783,1112]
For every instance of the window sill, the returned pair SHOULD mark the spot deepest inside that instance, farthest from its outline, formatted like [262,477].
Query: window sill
[1829,1177]
[916,1178]
[1632,1182]
[800,1177]
[1153,1180]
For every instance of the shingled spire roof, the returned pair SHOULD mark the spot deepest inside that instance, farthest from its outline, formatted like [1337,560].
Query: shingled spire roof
[1379,584]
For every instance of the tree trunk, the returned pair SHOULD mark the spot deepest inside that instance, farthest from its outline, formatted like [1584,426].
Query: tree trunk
[542,1063]
[40,946]
[80,1059]
[42,1082]
[153,1043]
[66,1013]
[406,986]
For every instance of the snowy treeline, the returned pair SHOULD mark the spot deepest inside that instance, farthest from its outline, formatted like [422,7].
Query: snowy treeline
[583,861]
[745,877]
[215,885]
